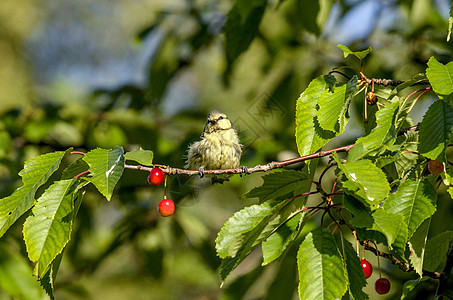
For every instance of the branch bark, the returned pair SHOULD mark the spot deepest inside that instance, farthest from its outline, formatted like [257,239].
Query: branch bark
[259,168]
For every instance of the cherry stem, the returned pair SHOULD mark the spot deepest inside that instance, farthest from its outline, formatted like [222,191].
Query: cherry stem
[83,173]
[77,152]
[378,261]
[165,186]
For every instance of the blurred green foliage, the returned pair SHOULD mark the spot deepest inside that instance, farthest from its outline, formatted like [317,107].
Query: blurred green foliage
[250,61]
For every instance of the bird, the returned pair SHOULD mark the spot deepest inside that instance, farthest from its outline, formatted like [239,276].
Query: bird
[218,147]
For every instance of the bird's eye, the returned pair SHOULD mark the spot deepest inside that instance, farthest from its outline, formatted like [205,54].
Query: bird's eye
[221,118]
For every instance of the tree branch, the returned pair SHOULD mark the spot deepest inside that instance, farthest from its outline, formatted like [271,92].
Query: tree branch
[259,168]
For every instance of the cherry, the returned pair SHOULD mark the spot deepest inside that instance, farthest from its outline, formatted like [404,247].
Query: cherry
[367,268]
[166,207]
[156,176]
[382,286]
[435,167]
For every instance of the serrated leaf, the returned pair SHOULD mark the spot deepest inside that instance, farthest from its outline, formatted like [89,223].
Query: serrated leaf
[355,273]
[77,167]
[334,106]
[440,76]
[48,229]
[435,130]
[417,244]
[382,135]
[367,177]
[415,200]
[399,246]
[281,183]
[436,250]
[106,168]
[322,273]
[309,135]
[277,242]
[48,279]
[143,157]
[285,280]
[34,174]
[359,54]
[231,236]
[382,221]
[243,232]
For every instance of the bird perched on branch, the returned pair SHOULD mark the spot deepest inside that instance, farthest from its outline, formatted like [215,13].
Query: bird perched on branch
[218,148]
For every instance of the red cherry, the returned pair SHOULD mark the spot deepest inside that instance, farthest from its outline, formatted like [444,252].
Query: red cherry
[367,268]
[156,176]
[435,167]
[382,286]
[166,207]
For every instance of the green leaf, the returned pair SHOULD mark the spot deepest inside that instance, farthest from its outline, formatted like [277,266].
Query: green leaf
[382,135]
[275,244]
[435,130]
[436,250]
[77,167]
[322,273]
[371,181]
[48,279]
[243,232]
[399,246]
[34,174]
[48,229]
[240,30]
[334,106]
[417,244]
[310,137]
[356,277]
[415,200]
[143,157]
[440,76]
[410,285]
[359,54]
[281,183]
[285,280]
[382,221]
[106,168]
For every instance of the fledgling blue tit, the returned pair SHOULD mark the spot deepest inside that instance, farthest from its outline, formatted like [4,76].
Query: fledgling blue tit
[218,147]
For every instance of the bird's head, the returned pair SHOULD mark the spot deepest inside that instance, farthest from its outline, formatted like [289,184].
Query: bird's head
[217,121]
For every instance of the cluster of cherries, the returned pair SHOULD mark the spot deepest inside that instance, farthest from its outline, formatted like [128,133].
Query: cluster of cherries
[382,285]
[166,207]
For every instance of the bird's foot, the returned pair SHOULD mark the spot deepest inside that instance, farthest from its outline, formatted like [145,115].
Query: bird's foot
[201,172]
[244,170]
